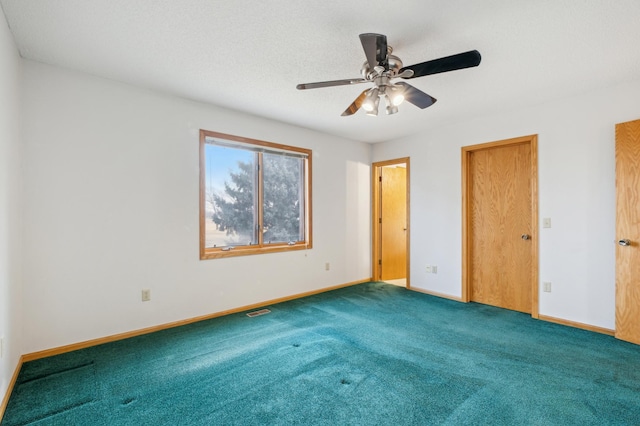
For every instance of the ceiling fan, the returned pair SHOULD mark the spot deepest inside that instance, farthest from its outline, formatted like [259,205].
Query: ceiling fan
[381,67]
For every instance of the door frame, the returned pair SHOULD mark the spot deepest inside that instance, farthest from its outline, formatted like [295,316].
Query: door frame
[376,173]
[532,141]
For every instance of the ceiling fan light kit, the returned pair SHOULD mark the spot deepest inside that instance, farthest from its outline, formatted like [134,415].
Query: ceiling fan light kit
[381,67]
[371,101]
[391,108]
[397,95]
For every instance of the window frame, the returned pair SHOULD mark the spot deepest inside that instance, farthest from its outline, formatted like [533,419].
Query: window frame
[261,247]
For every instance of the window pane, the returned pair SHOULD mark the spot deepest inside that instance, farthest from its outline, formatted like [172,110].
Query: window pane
[283,198]
[231,193]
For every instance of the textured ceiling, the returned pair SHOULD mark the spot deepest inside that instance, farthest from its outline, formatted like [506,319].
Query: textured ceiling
[248,55]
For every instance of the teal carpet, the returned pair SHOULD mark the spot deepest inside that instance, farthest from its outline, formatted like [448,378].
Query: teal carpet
[368,354]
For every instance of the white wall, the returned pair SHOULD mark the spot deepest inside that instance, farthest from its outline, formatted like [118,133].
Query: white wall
[111,204]
[576,190]
[10,208]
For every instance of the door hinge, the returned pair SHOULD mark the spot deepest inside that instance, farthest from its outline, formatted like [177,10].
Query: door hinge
[379,178]
[380,220]
[380,262]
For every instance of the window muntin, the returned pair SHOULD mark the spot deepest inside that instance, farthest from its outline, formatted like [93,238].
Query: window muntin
[255,196]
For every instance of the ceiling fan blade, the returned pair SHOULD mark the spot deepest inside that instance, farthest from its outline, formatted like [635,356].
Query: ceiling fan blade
[375,49]
[449,63]
[355,105]
[416,96]
[346,82]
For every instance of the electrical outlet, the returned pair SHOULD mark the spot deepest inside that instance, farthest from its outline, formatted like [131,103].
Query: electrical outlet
[146,295]
[434,269]
[546,287]
[546,222]
[429,269]
[327,266]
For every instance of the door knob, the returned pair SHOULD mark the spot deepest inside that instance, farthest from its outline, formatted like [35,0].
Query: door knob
[525,236]
[624,242]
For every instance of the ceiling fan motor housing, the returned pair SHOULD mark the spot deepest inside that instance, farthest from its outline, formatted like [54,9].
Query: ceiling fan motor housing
[394,65]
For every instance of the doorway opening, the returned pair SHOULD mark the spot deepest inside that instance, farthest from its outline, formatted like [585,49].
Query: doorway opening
[390,221]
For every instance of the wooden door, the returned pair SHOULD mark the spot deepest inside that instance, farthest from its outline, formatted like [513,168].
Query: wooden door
[501,250]
[393,226]
[628,228]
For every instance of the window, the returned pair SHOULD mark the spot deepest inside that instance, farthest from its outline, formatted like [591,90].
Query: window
[255,196]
